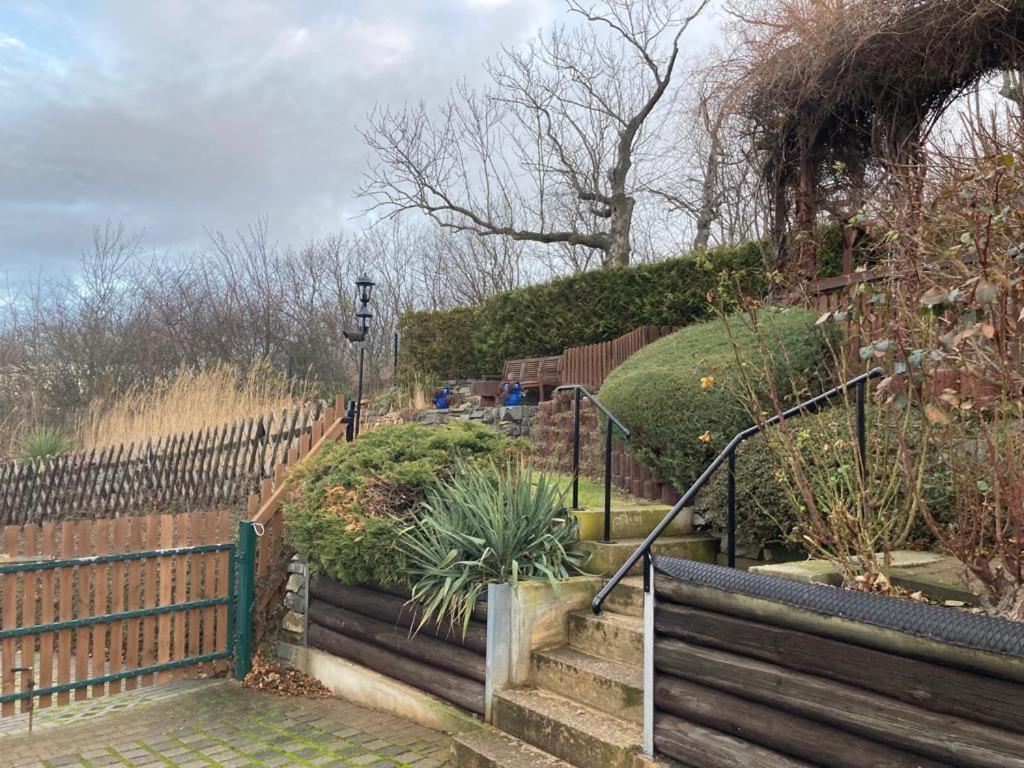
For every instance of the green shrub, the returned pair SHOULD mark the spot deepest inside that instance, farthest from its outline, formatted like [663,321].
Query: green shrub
[487,526]
[436,344]
[604,304]
[678,425]
[586,308]
[764,512]
[43,443]
[349,503]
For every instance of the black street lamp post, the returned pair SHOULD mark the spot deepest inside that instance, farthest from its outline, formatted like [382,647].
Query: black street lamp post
[364,290]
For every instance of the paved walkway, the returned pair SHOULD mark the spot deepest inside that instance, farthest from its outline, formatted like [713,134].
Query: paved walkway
[217,723]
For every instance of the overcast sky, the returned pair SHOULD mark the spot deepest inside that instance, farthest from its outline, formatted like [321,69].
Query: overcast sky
[175,115]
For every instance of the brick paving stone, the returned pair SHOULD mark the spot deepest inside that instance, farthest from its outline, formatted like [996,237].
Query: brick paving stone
[217,723]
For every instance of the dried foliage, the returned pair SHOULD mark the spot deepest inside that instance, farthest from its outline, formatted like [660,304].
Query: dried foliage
[272,676]
[946,322]
[188,400]
[855,85]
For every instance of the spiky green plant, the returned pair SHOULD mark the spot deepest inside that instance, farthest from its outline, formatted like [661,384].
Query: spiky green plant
[487,524]
[43,443]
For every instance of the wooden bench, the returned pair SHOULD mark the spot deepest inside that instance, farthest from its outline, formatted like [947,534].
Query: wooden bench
[540,373]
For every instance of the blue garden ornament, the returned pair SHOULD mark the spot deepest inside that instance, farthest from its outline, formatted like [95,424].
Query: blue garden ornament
[513,393]
[442,398]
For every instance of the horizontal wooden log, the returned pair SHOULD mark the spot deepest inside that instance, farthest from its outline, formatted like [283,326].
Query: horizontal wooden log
[696,745]
[774,729]
[468,694]
[394,610]
[479,611]
[778,614]
[932,686]
[430,650]
[879,718]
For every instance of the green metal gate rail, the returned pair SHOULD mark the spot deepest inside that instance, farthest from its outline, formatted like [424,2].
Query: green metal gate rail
[241,577]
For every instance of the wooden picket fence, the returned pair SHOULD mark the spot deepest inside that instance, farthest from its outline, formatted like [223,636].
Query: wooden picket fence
[266,511]
[106,653]
[181,472]
[590,365]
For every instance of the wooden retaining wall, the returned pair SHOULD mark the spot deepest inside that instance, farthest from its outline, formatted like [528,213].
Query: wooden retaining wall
[373,628]
[741,680]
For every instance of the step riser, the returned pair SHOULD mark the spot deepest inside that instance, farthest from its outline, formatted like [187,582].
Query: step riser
[613,697]
[606,559]
[603,638]
[493,751]
[632,523]
[465,756]
[559,739]
[626,599]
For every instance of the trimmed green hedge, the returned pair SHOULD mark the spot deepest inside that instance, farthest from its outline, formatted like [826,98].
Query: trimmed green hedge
[435,344]
[658,394]
[583,309]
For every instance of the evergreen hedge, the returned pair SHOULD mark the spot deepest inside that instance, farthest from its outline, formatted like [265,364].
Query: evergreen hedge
[586,308]
[435,344]
[678,425]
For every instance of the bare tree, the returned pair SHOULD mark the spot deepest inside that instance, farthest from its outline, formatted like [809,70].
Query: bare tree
[546,153]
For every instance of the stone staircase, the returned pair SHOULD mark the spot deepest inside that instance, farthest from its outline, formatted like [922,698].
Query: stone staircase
[585,708]
[585,704]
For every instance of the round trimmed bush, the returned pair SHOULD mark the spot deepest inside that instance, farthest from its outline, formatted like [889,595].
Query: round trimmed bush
[681,420]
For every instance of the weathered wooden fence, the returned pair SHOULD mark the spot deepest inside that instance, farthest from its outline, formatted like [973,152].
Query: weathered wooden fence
[266,511]
[96,606]
[752,670]
[178,473]
[590,365]
[374,628]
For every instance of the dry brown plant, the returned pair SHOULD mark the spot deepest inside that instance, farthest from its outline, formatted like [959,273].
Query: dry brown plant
[188,400]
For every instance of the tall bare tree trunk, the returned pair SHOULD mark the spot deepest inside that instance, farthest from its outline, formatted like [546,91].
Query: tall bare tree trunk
[806,219]
[620,223]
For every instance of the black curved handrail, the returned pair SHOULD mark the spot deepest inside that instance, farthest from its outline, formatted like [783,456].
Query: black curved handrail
[811,406]
[578,391]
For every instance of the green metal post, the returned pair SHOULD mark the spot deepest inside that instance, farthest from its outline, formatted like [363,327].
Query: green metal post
[245,585]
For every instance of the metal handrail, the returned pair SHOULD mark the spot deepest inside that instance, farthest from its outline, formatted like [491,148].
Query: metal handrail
[811,406]
[578,391]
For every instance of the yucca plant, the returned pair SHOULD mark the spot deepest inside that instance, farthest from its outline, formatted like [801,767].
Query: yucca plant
[43,443]
[487,524]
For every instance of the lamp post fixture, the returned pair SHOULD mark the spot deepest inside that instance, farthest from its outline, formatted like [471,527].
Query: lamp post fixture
[364,290]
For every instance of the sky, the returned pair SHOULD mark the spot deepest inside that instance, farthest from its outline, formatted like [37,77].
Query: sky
[172,116]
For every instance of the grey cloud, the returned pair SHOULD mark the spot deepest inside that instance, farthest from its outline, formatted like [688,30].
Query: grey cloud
[176,115]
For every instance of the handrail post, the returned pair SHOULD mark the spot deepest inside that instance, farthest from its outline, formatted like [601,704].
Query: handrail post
[861,430]
[576,448]
[608,482]
[731,508]
[245,561]
[648,668]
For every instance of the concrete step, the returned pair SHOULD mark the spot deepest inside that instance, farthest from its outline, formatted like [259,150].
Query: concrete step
[614,636]
[605,559]
[627,597]
[629,522]
[580,735]
[600,683]
[490,748]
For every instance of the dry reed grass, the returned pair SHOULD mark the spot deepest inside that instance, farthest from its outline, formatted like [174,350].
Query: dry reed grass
[188,400]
